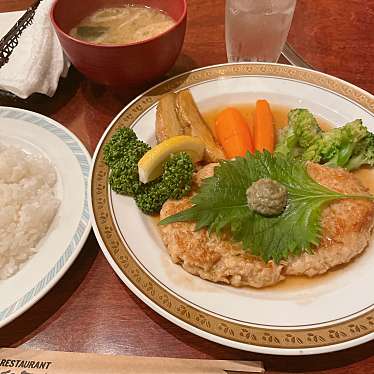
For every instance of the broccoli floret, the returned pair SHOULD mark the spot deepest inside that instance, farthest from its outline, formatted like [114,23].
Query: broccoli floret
[313,152]
[117,147]
[363,154]
[124,177]
[287,144]
[338,144]
[174,183]
[177,177]
[301,133]
[122,154]
[337,147]
[305,127]
[332,145]
[348,147]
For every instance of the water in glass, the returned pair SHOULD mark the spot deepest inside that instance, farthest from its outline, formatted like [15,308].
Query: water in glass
[256,30]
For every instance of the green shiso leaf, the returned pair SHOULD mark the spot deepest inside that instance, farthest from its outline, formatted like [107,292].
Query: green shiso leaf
[221,204]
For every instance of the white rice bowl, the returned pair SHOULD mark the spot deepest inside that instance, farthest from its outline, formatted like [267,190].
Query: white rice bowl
[27,206]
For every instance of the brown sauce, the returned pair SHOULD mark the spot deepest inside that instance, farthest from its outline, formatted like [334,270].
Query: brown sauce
[297,283]
[155,219]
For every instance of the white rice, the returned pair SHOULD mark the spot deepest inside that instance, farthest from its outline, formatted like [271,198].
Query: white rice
[27,206]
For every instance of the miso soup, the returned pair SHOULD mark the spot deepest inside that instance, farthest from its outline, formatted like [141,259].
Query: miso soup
[122,25]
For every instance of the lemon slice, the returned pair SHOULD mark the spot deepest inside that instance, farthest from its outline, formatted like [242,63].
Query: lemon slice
[150,166]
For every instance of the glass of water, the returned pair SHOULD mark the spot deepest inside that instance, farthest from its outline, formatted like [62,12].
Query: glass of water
[256,30]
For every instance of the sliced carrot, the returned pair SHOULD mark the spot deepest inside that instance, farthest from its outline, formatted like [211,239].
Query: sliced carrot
[233,133]
[263,127]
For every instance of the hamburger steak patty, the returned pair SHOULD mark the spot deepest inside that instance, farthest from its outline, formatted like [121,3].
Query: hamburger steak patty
[346,231]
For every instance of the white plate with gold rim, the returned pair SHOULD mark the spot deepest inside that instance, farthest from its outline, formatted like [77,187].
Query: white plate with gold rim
[314,316]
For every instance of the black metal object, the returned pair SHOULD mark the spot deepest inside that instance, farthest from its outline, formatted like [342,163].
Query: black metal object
[10,40]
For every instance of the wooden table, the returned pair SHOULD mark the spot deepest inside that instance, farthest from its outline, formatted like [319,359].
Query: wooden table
[90,310]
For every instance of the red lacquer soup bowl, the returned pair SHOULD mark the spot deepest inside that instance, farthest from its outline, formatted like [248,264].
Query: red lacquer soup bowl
[127,65]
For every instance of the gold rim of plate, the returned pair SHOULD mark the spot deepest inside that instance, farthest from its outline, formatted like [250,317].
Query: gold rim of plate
[285,338]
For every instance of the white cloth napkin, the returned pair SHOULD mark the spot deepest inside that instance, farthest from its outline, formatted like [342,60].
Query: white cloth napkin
[38,61]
